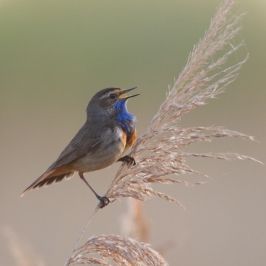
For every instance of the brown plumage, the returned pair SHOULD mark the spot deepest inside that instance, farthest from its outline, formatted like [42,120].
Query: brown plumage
[107,133]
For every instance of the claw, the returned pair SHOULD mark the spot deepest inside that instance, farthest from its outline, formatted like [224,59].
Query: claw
[104,201]
[128,160]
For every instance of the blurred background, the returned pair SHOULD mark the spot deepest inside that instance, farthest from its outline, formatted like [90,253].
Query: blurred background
[55,55]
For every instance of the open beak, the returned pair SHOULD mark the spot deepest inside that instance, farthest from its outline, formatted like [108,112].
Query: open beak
[127,97]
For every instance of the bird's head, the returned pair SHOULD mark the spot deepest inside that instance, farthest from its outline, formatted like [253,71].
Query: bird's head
[110,100]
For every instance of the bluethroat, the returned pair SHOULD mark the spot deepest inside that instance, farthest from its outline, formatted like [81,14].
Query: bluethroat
[107,134]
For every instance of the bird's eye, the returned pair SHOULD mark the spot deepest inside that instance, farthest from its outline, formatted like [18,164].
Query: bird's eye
[112,96]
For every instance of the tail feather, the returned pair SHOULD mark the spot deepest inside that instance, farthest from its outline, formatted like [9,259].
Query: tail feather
[59,178]
[46,180]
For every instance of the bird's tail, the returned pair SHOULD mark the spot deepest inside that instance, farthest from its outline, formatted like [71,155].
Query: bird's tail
[47,179]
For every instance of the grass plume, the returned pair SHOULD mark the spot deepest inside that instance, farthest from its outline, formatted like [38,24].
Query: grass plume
[116,249]
[158,151]
[134,221]
[22,253]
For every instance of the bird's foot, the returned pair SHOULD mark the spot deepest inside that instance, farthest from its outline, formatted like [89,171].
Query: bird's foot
[128,160]
[104,201]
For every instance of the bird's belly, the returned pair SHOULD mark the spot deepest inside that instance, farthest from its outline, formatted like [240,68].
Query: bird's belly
[106,154]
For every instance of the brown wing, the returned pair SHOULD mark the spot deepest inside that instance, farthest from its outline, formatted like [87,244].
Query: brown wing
[85,141]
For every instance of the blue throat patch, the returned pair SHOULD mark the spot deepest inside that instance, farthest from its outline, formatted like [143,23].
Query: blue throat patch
[125,120]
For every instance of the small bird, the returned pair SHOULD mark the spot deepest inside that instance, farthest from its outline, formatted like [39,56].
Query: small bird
[107,134]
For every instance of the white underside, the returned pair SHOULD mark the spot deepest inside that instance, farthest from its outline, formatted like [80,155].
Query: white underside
[107,154]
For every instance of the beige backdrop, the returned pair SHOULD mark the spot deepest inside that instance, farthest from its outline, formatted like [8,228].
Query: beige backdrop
[56,54]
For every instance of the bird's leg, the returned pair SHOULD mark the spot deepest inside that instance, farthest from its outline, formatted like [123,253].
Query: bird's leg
[127,159]
[104,200]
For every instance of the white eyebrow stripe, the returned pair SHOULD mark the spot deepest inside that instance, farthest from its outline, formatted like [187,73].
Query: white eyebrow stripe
[105,95]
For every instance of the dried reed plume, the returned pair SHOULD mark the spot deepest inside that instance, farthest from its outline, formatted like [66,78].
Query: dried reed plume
[134,222]
[22,253]
[116,249]
[158,152]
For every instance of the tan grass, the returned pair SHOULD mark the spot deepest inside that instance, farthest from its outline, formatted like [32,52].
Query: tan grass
[158,152]
[22,253]
[135,223]
[118,250]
